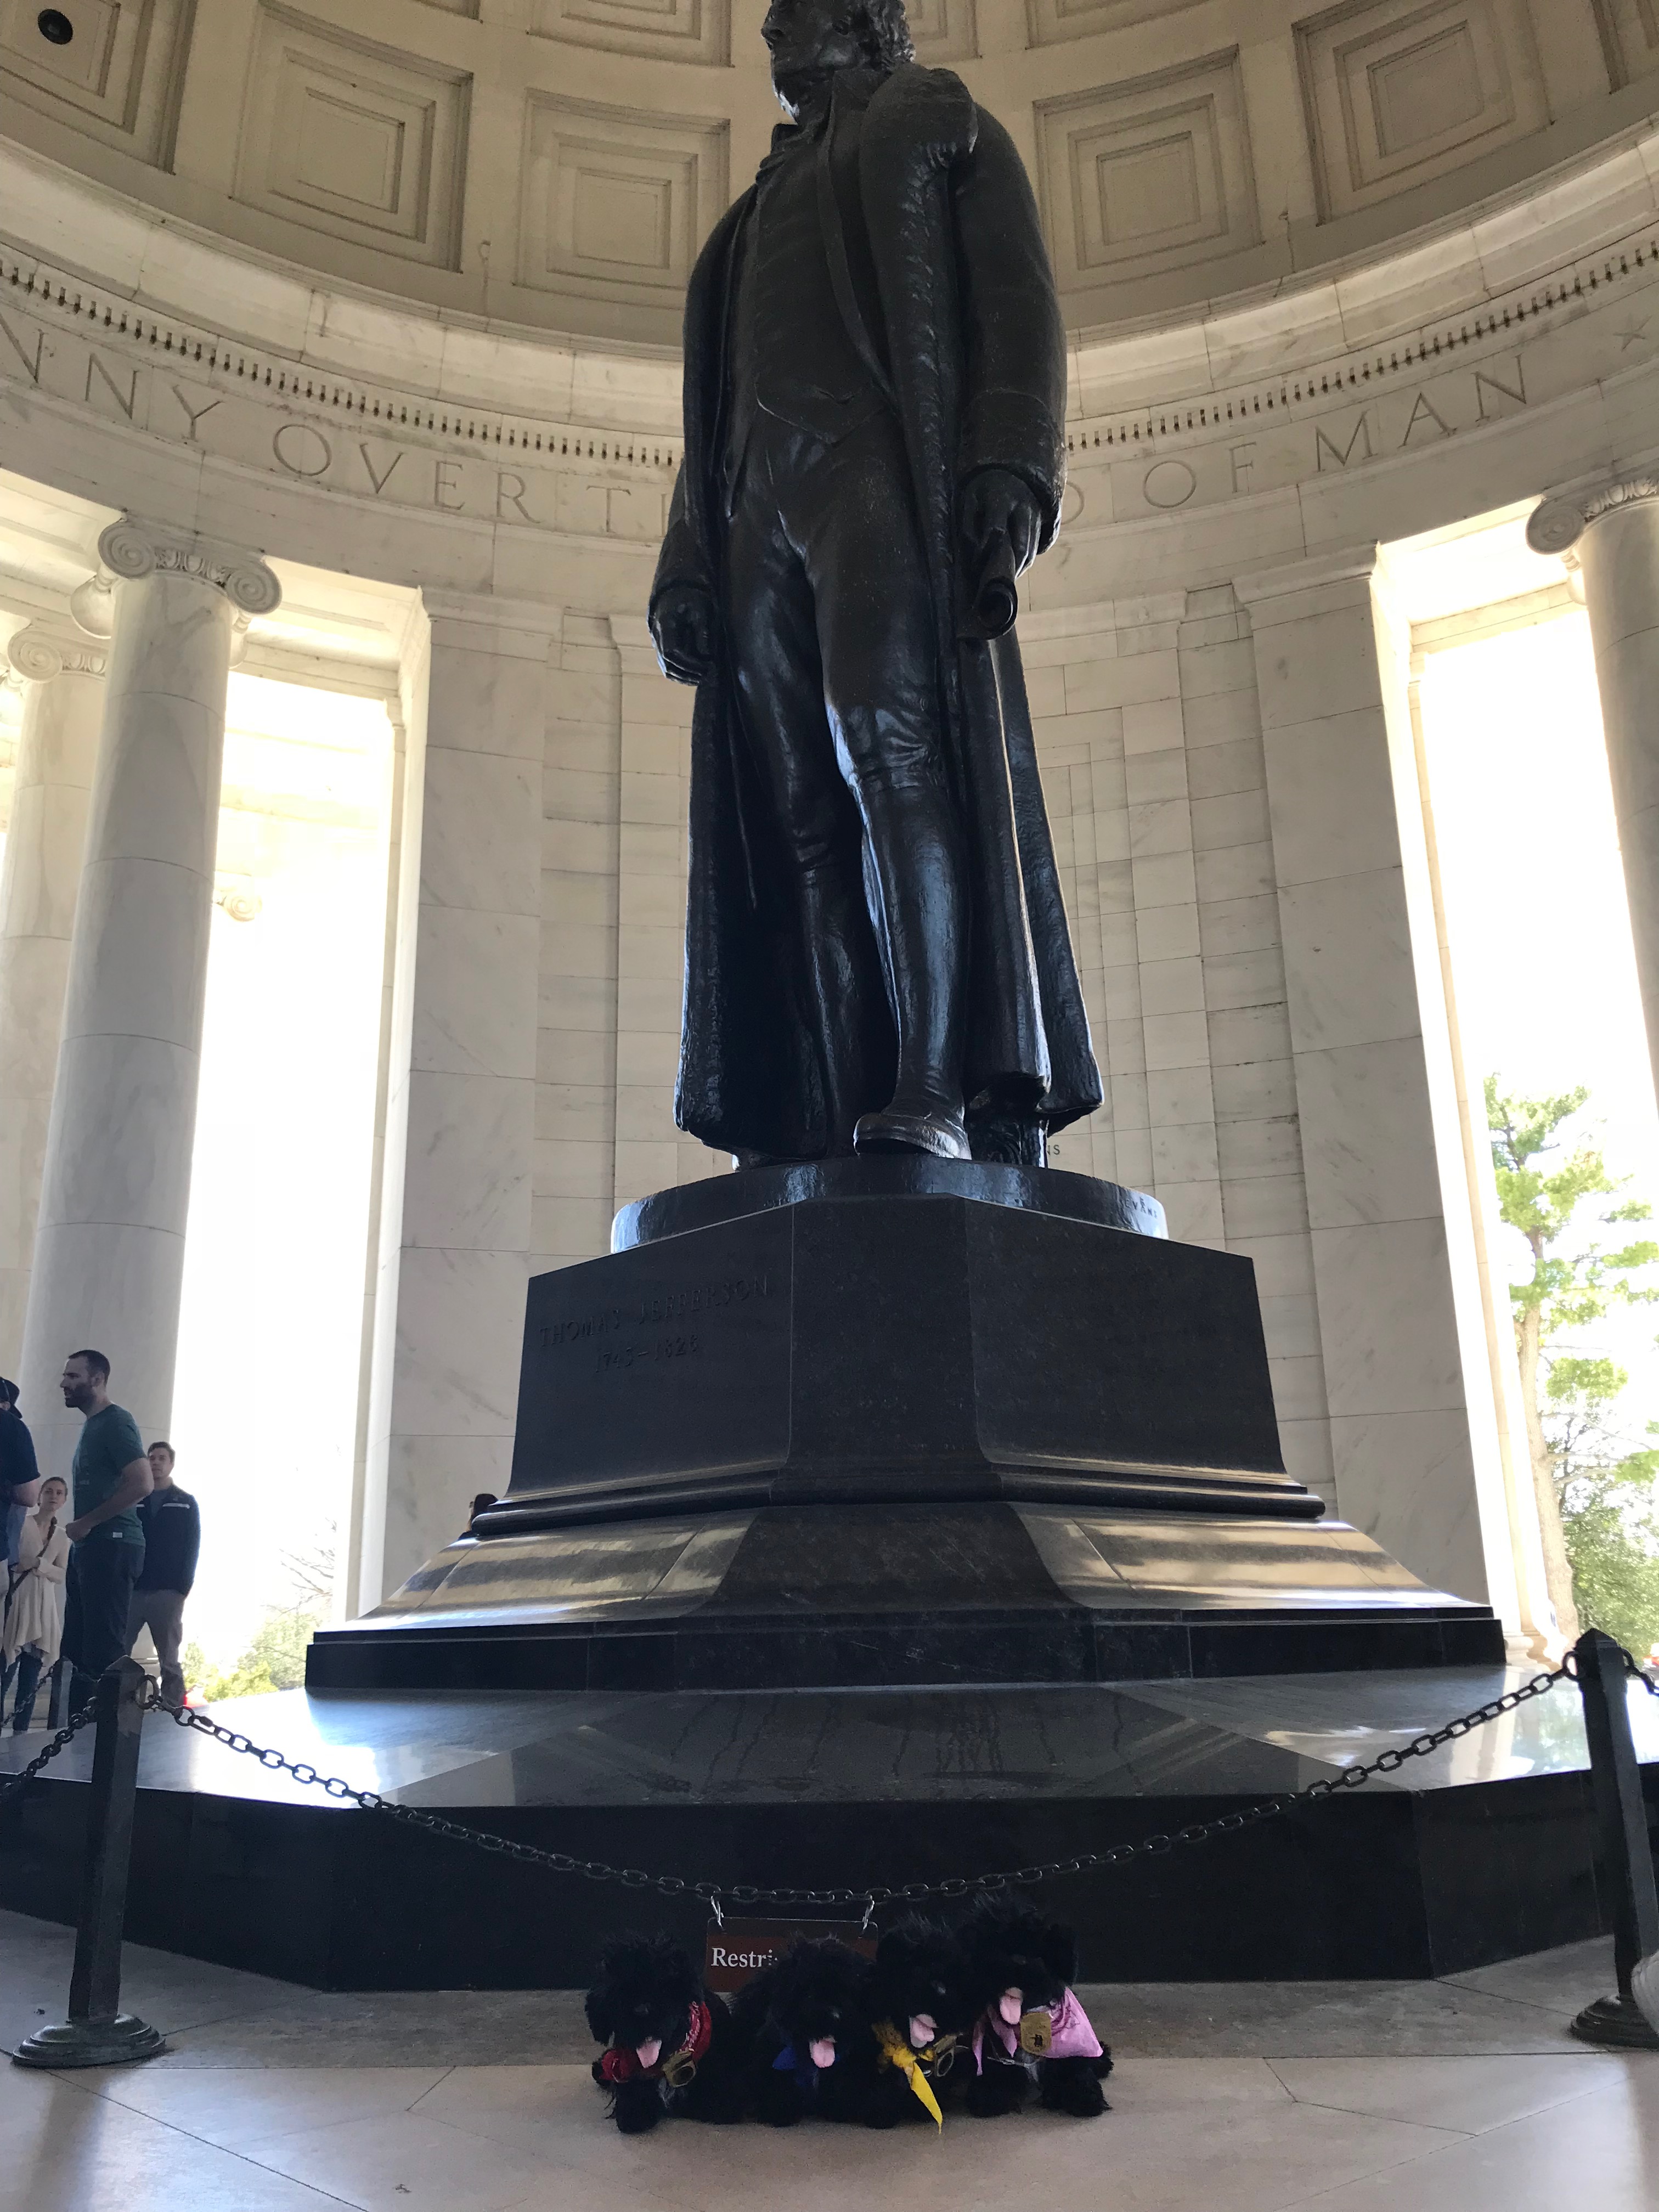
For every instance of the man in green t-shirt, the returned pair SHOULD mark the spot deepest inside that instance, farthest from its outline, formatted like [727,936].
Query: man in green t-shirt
[112,1473]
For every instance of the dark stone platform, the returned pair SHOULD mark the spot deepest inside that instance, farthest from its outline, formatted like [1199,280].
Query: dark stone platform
[758,1190]
[805,1596]
[1482,1851]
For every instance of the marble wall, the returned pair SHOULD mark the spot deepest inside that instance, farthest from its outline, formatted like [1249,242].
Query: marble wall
[468,955]
[1149,731]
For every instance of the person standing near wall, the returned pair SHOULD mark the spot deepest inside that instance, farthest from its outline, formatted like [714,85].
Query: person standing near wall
[34,1613]
[19,1473]
[171,1523]
[112,1475]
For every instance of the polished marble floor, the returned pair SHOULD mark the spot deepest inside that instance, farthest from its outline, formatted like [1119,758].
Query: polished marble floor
[1461,2095]
[1261,1733]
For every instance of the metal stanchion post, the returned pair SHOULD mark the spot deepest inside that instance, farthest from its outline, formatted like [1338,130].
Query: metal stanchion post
[1623,1855]
[97,2032]
[58,1702]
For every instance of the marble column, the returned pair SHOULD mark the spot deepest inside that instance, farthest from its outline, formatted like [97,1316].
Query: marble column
[61,673]
[110,1236]
[1614,529]
[1413,1437]
[456,1182]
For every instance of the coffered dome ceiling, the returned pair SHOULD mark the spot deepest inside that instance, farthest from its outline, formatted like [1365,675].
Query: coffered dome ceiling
[556,163]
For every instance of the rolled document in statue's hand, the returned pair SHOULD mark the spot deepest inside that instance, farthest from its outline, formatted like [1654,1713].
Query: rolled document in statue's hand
[996,594]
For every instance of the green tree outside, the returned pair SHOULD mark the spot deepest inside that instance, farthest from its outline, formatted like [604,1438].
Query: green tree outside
[274,1660]
[1595,1504]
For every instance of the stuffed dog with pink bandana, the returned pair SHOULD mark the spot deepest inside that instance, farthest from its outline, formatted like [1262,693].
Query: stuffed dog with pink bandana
[1029,2031]
[670,2046]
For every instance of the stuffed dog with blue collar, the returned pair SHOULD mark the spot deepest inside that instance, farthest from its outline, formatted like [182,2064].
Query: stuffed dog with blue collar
[805,2022]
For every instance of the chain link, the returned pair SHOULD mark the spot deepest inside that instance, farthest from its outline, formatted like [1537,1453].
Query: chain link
[909,1893]
[14,1784]
[1639,1672]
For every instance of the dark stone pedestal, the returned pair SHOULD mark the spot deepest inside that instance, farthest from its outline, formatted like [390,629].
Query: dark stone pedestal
[928,1348]
[890,1422]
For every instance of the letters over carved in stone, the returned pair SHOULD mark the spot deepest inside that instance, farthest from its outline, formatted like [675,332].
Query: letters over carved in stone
[877,954]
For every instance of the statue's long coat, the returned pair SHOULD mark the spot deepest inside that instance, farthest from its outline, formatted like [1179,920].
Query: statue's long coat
[975,359]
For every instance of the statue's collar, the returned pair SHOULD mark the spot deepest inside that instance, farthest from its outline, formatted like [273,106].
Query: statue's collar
[848,87]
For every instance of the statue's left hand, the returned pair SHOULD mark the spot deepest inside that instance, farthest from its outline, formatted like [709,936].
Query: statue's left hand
[997,503]
[683,627]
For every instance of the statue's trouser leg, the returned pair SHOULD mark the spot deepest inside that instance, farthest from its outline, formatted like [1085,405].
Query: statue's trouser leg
[779,683]
[853,518]
[844,985]
[914,848]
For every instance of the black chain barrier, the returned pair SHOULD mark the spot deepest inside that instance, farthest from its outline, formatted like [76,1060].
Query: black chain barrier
[909,1893]
[14,1784]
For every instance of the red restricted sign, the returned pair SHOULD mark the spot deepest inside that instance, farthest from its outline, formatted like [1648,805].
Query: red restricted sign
[736,1950]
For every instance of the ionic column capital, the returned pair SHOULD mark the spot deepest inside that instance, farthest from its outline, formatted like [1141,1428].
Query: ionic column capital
[1556,525]
[134,547]
[43,649]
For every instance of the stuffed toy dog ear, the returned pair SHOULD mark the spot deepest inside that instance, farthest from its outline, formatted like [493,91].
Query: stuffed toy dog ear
[1057,1949]
[599,2004]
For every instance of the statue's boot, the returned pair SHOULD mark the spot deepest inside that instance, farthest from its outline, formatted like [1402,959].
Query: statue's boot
[915,853]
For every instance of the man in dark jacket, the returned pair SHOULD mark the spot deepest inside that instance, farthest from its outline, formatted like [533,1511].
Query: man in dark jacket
[877,954]
[20,1476]
[173,1541]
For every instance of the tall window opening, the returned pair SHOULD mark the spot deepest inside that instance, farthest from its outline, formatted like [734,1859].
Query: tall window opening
[265,1402]
[1547,1002]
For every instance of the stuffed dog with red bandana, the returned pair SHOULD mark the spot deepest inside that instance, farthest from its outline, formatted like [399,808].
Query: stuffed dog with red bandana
[1029,2031]
[669,2047]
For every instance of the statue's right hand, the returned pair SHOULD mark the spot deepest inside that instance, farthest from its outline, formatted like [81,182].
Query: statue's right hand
[683,624]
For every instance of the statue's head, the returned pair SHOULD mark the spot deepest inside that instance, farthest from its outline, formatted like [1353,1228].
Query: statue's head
[811,39]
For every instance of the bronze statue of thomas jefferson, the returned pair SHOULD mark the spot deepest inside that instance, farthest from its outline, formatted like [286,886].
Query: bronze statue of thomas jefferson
[877,954]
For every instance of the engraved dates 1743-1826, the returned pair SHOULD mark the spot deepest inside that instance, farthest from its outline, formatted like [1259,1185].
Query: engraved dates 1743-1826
[615,1332]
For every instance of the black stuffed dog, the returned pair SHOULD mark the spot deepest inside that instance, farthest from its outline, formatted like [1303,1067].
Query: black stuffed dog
[804,2023]
[1028,2028]
[669,2042]
[921,2013]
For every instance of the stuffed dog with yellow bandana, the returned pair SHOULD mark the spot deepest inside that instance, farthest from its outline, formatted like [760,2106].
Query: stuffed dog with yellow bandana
[920,2013]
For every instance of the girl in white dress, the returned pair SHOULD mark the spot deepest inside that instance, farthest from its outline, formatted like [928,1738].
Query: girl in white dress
[34,1610]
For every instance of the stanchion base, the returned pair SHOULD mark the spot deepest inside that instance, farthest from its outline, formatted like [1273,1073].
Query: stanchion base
[1617,2023]
[91,2043]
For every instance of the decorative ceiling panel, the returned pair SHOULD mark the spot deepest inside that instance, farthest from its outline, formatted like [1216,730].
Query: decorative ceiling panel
[1150,175]
[665,30]
[1398,93]
[1051,23]
[944,30]
[351,138]
[1630,37]
[614,200]
[117,77]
